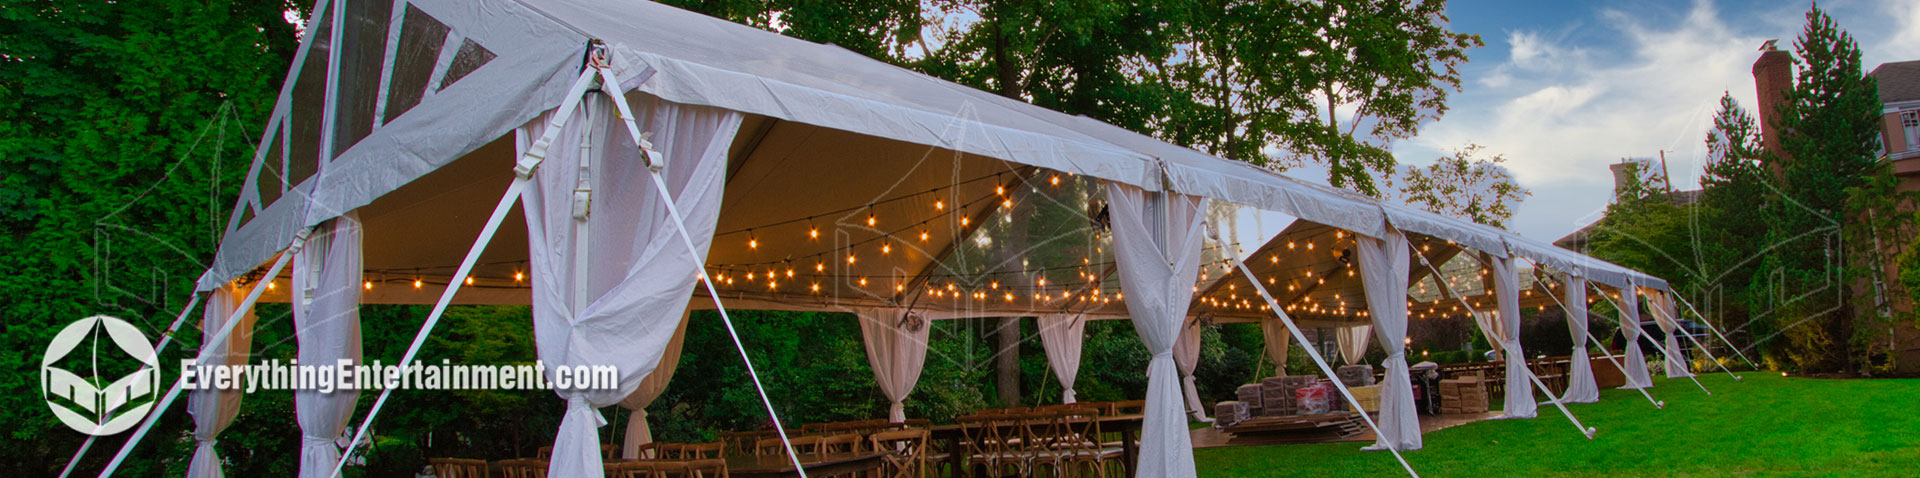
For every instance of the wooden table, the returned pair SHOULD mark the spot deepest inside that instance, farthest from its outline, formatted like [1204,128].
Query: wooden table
[826,465]
[1127,425]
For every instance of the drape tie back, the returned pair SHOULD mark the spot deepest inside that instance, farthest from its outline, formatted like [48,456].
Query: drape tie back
[1396,355]
[1163,354]
[578,404]
[310,441]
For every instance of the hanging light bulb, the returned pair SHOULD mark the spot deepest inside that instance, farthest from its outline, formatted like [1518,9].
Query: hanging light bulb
[519,276]
[863,282]
[752,242]
[1056,180]
[367,284]
[816,287]
[964,221]
[850,258]
[819,266]
[886,248]
[469,280]
[939,205]
[871,221]
[923,234]
[416,283]
[813,232]
[995,285]
[1000,189]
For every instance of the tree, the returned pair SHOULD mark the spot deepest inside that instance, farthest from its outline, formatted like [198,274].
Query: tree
[1830,124]
[882,29]
[1725,221]
[1464,185]
[1334,82]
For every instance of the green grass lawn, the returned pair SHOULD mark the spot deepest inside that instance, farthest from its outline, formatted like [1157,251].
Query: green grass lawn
[1765,425]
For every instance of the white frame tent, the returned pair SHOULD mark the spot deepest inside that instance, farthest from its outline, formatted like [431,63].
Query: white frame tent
[656,155]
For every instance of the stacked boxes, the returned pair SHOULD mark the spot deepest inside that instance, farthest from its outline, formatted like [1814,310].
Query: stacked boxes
[1277,394]
[1249,395]
[1225,414]
[1355,375]
[1466,394]
[1368,396]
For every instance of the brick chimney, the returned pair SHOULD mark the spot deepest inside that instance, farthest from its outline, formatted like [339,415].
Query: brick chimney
[1624,171]
[1772,77]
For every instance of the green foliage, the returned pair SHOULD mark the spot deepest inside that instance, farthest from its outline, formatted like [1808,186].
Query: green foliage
[1464,185]
[1726,222]
[125,129]
[1830,121]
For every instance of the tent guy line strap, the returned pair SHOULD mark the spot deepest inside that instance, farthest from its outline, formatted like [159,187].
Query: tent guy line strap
[1610,357]
[523,174]
[1622,319]
[1584,430]
[1715,329]
[206,353]
[165,339]
[1294,329]
[655,164]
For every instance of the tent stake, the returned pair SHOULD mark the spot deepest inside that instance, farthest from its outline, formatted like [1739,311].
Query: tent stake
[1584,430]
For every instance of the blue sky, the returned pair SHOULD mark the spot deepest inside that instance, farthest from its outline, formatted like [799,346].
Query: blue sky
[1564,88]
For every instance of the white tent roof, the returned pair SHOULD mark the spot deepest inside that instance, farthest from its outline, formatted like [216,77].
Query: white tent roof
[823,122]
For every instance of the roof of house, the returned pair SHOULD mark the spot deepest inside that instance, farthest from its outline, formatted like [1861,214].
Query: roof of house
[1899,81]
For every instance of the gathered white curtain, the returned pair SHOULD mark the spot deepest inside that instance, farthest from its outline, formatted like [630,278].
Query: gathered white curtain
[1156,242]
[638,432]
[1637,376]
[1664,314]
[1352,341]
[620,303]
[327,278]
[1383,271]
[213,410]
[1186,355]
[1061,335]
[1581,387]
[1506,284]
[1277,337]
[896,342]
[1485,320]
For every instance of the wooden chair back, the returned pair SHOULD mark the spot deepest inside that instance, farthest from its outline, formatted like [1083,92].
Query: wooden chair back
[522,468]
[458,467]
[906,452]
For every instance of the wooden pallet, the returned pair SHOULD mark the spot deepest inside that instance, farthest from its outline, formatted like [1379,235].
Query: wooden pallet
[1338,423]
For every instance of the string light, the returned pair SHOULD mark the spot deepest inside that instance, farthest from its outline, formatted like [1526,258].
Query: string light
[469,280]
[416,283]
[1056,180]
[939,205]
[752,242]
[367,284]
[269,285]
[519,276]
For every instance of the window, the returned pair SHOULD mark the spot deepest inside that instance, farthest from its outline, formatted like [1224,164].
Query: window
[1910,124]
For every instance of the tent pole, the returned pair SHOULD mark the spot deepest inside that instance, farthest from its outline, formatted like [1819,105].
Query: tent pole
[1584,430]
[1610,358]
[1294,329]
[165,339]
[1715,329]
[655,163]
[1656,344]
[1696,342]
[206,352]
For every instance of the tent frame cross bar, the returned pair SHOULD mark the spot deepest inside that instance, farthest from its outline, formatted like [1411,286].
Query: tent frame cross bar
[655,163]
[1715,329]
[165,339]
[1301,337]
[206,351]
[1584,430]
[1696,342]
[1610,357]
[1656,344]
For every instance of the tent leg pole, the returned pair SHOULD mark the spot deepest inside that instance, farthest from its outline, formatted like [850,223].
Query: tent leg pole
[1696,343]
[165,339]
[439,308]
[1584,430]
[1317,360]
[655,164]
[1716,330]
[1610,358]
[206,350]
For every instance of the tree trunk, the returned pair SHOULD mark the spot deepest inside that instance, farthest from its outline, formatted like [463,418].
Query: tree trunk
[1006,361]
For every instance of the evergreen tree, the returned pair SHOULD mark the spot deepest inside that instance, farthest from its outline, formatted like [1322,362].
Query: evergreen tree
[1830,123]
[1726,221]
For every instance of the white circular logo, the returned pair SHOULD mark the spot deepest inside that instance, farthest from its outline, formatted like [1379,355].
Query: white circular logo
[89,402]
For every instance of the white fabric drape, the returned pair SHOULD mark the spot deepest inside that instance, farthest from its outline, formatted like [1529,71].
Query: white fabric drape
[1352,341]
[1277,337]
[1186,355]
[896,343]
[1664,314]
[638,433]
[213,410]
[1506,284]
[1156,242]
[326,316]
[1637,376]
[1581,387]
[1061,335]
[1383,268]
[622,310]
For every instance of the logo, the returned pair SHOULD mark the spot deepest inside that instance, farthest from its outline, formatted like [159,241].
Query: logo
[95,403]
